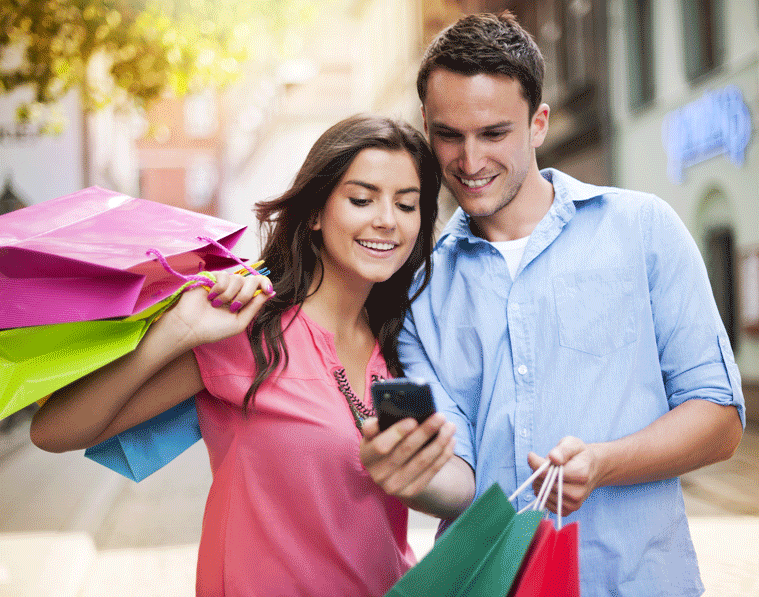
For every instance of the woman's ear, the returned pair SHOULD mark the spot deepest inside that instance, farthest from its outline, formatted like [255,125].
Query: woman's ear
[315,223]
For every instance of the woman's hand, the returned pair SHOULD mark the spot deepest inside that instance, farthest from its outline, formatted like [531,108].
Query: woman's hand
[426,477]
[399,460]
[226,310]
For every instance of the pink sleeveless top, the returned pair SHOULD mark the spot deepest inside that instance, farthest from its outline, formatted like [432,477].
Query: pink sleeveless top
[291,509]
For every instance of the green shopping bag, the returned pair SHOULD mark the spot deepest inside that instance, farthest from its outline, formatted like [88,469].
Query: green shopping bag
[38,360]
[480,553]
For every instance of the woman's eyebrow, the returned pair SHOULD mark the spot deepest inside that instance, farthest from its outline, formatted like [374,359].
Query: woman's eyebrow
[408,190]
[363,184]
[371,187]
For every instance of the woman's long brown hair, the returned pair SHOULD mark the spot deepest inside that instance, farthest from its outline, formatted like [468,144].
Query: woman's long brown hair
[292,251]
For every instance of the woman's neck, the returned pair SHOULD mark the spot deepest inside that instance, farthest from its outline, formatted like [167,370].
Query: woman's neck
[337,307]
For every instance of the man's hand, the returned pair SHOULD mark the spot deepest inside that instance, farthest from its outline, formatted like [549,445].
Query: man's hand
[581,465]
[396,458]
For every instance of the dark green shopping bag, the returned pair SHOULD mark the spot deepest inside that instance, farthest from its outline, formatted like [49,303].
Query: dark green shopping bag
[479,555]
[38,360]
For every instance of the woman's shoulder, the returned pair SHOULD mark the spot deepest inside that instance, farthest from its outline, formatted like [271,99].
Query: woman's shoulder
[225,356]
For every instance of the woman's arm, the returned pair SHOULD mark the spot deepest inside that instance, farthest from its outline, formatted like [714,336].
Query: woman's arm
[160,373]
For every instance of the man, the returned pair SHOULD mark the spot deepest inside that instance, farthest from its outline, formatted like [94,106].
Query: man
[563,321]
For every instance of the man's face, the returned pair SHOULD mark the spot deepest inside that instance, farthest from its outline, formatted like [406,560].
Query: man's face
[481,133]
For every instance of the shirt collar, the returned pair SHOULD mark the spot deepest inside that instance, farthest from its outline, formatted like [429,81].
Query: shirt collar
[568,191]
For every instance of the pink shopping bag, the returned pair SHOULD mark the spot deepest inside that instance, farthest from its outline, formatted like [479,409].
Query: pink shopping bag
[83,256]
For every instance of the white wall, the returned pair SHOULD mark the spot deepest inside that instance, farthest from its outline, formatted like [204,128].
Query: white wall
[41,167]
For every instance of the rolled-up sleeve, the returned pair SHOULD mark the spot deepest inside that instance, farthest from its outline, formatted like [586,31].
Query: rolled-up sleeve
[696,359]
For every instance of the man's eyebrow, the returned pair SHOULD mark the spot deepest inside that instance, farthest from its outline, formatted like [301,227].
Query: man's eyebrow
[506,124]
[369,186]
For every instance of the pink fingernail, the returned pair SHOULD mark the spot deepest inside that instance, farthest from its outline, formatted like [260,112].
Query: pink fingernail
[235,307]
[212,295]
[217,303]
[271,289]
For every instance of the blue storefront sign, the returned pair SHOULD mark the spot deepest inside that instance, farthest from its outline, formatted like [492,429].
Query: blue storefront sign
[717,123]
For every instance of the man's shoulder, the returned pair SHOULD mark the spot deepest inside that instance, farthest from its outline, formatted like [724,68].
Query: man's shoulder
[578,190]
[570,189]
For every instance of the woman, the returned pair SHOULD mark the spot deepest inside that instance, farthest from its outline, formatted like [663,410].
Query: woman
[282,376]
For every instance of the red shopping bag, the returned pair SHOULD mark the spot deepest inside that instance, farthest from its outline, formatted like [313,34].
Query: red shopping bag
[83,256]
[551,566]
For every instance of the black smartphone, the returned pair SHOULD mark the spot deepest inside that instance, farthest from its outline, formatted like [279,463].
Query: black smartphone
[396,399]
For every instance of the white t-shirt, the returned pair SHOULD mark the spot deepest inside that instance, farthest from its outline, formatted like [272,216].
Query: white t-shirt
[512,251]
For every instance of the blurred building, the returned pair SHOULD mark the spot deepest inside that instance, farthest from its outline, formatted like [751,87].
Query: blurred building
[92,149]
[684,98]
[180,155]
[36,166]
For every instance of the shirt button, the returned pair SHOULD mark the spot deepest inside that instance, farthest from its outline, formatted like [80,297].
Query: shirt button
[522,370]
[528,497]
[523,433]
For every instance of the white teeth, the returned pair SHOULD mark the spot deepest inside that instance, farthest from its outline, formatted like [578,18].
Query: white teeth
[377,246]
[475,184]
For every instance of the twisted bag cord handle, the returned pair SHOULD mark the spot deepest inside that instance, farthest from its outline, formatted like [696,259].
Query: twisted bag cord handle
[231,255]
[192,281]
[202,278]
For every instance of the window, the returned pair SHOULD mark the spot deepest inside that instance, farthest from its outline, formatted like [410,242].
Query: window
[577,61]
[640,52]
[720,257]
[703,36]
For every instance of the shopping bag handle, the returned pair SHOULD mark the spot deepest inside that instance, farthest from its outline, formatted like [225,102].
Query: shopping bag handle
[202,279]
[539,503]
[234,257]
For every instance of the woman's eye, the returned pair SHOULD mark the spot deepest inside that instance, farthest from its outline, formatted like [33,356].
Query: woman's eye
[406,207]
[359,202]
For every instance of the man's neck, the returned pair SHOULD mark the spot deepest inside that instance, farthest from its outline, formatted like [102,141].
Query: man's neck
[523,213]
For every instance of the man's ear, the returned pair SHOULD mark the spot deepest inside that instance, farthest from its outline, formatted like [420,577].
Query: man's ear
[424,119]
[539,125]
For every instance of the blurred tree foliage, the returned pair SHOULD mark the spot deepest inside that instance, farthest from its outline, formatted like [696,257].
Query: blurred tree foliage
[135,50]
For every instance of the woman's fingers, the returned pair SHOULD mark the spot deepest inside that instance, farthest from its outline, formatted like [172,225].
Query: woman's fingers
[398,459]
[422,468]
[236,291]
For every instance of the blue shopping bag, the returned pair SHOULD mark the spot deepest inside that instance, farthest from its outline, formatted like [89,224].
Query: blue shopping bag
[140,451]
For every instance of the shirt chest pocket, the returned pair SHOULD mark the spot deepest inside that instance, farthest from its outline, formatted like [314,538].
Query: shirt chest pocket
[596,310]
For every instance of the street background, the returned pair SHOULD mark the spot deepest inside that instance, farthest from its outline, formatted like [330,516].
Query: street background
[617,79]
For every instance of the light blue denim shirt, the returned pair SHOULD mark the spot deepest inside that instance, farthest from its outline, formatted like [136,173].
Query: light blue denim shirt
[608,324]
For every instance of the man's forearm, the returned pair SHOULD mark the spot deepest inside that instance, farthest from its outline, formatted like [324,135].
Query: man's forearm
[449,492]
[695,434]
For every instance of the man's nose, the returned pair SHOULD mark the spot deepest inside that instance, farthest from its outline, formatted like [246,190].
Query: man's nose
[470,160]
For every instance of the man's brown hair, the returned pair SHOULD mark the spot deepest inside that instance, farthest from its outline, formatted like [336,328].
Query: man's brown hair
[487,43]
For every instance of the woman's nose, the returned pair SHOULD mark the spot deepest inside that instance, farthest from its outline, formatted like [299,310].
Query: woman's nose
[385,216]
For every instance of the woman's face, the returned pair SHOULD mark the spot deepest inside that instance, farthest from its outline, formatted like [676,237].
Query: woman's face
[371,219]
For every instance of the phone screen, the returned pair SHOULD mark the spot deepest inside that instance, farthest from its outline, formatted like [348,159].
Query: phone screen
[397,399]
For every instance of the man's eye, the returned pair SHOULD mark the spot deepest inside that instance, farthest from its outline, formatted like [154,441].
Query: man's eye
[406,207]
[446,135]
[495,134]
[359,202]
